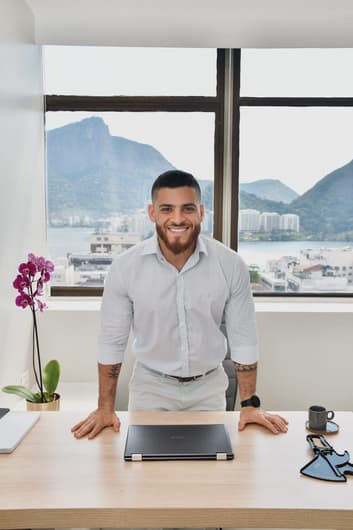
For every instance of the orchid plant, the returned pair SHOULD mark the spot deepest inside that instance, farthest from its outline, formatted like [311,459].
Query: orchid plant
[29,284]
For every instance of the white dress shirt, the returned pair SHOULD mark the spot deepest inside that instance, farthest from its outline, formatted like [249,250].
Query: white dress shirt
[175,316]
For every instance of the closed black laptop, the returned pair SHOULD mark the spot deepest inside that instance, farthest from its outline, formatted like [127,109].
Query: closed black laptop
[178,442]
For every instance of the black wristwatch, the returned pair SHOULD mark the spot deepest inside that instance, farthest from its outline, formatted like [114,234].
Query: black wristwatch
[254,401]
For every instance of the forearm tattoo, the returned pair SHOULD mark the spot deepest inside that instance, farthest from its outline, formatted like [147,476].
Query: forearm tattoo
[245,367]
[115,371]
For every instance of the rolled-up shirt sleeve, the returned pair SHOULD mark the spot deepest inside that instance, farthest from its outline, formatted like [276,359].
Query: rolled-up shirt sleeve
[116,318]
[240,320]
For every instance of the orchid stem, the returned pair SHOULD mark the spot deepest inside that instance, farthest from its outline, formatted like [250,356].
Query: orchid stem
[36,342]
[38,355]
[33,358]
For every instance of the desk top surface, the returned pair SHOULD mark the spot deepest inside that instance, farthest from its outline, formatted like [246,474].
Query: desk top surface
[52,479]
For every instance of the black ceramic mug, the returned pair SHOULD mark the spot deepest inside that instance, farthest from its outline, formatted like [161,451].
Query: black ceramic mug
[319,416]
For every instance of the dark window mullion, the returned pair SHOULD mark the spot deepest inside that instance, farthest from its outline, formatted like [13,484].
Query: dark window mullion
[219,149]
[236,56]
[58,290]
[132,104]
[294,102]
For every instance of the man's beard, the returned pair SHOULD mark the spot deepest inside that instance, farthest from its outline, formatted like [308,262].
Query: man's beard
[177,247]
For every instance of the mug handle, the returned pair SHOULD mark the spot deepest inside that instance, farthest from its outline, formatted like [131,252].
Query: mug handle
[330,414]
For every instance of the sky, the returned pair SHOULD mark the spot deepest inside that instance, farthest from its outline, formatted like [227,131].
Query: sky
[296,146]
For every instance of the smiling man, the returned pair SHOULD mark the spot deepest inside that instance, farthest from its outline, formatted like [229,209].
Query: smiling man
[174,291]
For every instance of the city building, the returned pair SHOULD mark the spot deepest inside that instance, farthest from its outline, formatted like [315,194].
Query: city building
[249,220]
[289,221]
[269,221]
[273,282]
[338,262]
[104,242]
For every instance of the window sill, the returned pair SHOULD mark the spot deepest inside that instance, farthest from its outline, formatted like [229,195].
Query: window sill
[74,304]
[73,396]
[339,305]
[303,307]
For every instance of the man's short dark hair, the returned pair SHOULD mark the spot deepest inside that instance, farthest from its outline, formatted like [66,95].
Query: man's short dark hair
[175,178]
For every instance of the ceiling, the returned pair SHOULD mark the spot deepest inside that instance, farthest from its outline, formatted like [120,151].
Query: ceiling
[195,23]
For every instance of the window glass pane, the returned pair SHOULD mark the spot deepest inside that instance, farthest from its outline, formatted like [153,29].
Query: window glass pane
[110,71]
[100,170]
[297,72]
[296,198]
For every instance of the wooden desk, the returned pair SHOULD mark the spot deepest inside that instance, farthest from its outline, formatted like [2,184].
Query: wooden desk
[54,480]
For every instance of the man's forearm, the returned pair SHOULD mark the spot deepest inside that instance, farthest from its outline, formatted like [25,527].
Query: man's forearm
[108,375]
[246,375]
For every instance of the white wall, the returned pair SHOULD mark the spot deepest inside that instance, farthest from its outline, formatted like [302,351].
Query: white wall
[195,23]
[305,352]
[22,197]
[306,356]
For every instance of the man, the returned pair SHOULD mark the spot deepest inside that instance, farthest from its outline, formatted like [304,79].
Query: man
[175,290]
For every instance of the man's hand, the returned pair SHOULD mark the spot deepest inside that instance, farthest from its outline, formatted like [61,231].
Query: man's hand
[273,422]
[95,423]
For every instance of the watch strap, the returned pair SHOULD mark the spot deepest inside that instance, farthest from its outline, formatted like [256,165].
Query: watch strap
[253,401]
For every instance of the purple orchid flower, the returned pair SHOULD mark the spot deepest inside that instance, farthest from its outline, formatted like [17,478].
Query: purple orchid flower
[23,300]
[21,282]
[29,285]
[27,269]
[49,265]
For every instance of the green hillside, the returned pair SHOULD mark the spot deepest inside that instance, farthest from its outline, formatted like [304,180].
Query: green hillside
[327,208]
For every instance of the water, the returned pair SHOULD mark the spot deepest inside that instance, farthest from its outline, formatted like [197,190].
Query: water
[75,240]
[64,240]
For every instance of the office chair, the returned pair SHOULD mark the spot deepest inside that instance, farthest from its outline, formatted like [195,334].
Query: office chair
[231,392]
[228,365]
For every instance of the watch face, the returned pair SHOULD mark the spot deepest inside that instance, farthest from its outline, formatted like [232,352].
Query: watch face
[255,401]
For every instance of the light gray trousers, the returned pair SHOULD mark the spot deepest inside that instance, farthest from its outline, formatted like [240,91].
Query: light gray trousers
[149,390]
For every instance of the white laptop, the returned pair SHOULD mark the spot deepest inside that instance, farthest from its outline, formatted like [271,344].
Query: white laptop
[13,428]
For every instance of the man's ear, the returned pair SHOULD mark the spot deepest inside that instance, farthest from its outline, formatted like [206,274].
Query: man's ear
[151,213]
[202,211]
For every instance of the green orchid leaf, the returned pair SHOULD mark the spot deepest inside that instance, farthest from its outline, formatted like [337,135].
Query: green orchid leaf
[22,392]
[51,374]
[46,397]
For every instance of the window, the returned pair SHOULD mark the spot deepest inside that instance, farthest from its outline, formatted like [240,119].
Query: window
[115,119]
[267,132]
[112,71]
[295,224]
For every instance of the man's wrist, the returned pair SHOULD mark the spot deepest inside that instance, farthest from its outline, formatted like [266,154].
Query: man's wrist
[106,406]
[253,401]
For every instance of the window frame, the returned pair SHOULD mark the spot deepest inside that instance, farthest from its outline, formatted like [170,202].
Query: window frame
[227,106]
[215,104]
[275,102]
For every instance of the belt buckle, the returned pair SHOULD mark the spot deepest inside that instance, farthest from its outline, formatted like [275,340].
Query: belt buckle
[191,378]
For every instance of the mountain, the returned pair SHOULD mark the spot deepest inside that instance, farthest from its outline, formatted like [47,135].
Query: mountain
[271,189]
[325,211]
[251,201]
[92,172]
[327,208]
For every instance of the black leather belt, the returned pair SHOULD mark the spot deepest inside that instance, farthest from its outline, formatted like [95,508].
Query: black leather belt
[181,379]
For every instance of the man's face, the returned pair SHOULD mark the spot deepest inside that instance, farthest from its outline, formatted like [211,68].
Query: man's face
[178,214]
